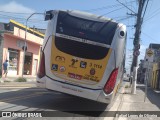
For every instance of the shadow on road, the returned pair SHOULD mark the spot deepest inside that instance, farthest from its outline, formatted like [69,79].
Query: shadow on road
[153,97]
[49,101]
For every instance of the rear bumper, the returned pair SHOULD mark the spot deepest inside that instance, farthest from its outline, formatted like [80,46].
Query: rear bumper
[96,95]
[41,82]
[104,98]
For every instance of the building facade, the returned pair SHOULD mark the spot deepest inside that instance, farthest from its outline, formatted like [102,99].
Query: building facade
[151,63]
[155,81]
[11,43]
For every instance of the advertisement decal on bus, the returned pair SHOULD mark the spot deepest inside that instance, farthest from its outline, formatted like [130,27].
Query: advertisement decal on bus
[73,68]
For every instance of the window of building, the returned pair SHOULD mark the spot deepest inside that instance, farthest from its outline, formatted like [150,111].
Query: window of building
[28,64]
[13,61]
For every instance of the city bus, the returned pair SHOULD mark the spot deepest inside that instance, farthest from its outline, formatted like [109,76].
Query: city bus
[82,55]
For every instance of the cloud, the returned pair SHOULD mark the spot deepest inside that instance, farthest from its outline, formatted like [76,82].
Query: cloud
[15,7]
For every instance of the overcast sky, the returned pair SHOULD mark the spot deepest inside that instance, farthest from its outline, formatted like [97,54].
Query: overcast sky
[10,9]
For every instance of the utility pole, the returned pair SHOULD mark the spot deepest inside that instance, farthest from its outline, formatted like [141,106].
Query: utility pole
[25,41]
[136,44]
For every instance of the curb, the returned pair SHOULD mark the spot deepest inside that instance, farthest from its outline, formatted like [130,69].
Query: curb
[17,87]
[17,84]
[9,87]
[13,79]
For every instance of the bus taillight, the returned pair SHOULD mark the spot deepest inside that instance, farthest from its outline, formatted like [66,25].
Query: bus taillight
[41,72]
[109,86]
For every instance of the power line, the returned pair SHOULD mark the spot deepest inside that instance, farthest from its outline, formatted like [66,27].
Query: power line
[150,7]
[126,6]
[96,9]
[111,11]
[145,9]
[153,14]
[18,18]
[150,37]
[132,7]
[11,16]
[14,12]
[119,17]
[102,8]
[125,18]
[122,17]
[152,17]
[106,7]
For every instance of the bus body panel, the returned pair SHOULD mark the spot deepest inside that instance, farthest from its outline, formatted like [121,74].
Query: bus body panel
[72,89]
[77,70]
[62,77]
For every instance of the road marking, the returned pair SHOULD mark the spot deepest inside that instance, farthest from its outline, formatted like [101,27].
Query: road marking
[21,97]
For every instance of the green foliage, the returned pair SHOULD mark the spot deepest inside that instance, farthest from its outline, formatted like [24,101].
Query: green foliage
[6,81]
[126,86]
[20,79]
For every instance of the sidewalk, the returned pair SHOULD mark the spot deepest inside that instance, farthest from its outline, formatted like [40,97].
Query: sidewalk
[12,79]
[10,82]
[17,84]
[130,102]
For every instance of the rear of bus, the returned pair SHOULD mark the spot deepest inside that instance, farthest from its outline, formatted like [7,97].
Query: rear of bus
[78,55]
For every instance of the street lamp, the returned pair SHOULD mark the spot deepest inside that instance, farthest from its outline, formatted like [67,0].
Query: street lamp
[25,42]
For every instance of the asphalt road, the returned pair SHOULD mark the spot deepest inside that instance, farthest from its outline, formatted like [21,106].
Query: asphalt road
[35,99]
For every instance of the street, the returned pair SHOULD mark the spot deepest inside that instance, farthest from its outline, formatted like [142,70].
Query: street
[86,52]
[36,99]
[22,98]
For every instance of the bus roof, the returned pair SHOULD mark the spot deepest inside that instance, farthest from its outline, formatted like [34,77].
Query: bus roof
[87,15]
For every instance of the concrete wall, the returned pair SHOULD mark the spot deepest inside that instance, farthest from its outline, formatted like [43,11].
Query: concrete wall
[155,72]
[30,37]
[11,41]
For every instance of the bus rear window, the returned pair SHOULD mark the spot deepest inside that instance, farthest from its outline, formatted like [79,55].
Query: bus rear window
[102,32]
[79,49]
